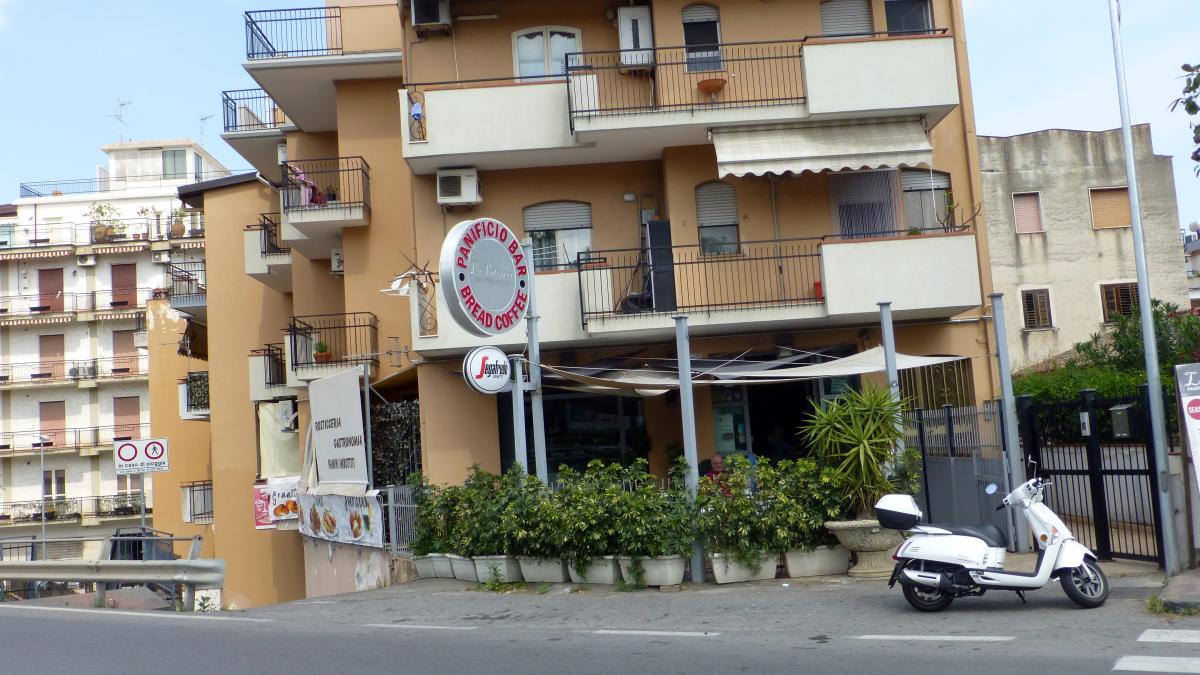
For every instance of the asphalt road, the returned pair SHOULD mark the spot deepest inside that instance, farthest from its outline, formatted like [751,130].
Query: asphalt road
[438,626]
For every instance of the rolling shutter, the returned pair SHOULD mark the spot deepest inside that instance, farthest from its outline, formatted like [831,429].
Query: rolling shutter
[846,17]
[697,13]
[1110,208]
[716,204]
[1027,213]
[558,216]
[924,179]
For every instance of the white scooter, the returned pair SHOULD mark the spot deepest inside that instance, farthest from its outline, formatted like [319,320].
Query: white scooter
[939,563]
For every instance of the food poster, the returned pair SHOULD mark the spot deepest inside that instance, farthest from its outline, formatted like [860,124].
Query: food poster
[262,507]
[283,506]
[349,520]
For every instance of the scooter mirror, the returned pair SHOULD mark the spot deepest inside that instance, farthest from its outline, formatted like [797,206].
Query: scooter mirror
[990,488]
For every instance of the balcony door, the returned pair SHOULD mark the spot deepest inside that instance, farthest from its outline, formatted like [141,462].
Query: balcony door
[50,357]
[125,354]
[50,290]
[52,422]
[124,285]
[127,417]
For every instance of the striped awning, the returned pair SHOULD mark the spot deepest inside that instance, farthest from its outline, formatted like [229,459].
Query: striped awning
[761,151]
[44,253]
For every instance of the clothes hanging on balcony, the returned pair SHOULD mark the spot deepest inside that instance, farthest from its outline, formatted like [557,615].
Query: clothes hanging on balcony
[780,150]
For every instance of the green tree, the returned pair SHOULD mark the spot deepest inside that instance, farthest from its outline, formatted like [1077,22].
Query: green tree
[1190,100]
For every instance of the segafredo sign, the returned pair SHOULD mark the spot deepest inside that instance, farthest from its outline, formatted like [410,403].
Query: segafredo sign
[485,276]
[487,370]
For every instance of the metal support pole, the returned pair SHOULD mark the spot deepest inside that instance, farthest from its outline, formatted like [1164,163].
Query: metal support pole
[520,448]
[889,362]
[535,381]
[142,491]
[1157,423]
[42,462]
[687,411]
[1008,407]
[366,404]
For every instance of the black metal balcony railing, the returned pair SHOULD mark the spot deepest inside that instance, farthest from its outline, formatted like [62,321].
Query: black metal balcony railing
[274,371]
[326,183]
[250,110]
[196,388]
[268,229]
[284,33]
[76,186]
[199,496]
[115,367]
[189,285]
[75,438]
[698,77]
[121,298]
[341,339]
[45,303]
[72,508]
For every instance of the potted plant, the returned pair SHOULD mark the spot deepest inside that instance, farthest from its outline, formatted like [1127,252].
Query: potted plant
[482,537]
[730,521]
[533,527]
[445,506]
[321,353]
[655,527]
[588,504]
[858,434]
[797,497]
[103,218]
[176,219]
[427,527]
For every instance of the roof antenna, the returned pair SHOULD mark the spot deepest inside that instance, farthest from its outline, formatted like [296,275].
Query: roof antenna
[203,123]
[119,116]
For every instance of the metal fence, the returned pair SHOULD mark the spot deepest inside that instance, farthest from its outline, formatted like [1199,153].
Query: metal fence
[199,495]
[268,229]
[399,517]
[326,183]
[76,186]
[189,284]
[196,389]
[274,371]
[251,110]
[121,298]
[71,508]
[284,33]
[51,372]
[347,339]
[72,439]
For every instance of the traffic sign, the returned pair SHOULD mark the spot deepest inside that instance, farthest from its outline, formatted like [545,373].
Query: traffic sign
[146,455]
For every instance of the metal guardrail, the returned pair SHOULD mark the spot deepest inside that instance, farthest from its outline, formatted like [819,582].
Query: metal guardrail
[350,338]
[293,33]
[251,110]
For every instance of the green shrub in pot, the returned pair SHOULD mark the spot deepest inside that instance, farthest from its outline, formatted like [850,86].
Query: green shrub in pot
[588,504]
[729,516]
[530,522]
[653,521]
[796,498]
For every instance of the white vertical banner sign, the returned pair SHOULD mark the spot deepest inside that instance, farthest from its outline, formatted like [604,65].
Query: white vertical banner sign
[1187,382]
[339,442]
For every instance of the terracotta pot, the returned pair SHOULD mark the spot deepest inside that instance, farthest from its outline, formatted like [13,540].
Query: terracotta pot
[323,357]
[872,543]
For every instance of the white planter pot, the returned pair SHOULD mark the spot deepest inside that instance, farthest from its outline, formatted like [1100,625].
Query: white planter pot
[821,561]
[507,568]
[543,570]
[603,570]
[872,543]
[424,565]
[464,568]
[441,566]
[664,570]
[726,570]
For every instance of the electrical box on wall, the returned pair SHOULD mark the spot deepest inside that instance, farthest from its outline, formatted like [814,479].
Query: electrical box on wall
[336,265]
[458,187]
[431,16]
[288,419]
[636,37]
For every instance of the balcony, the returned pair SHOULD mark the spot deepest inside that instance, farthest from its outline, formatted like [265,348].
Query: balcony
[267,259]
[189,289]
[118,303]
[72,509]
[296,55]
[73,187]
[30,309]
[84,373]
[87,441]
[254,128]
[268,374]
[193,396]
[323,344]
[322,196]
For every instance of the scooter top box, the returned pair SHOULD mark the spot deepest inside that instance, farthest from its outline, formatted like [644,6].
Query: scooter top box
[898,512]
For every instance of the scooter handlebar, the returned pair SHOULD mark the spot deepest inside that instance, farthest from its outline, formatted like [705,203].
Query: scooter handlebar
[1001,507]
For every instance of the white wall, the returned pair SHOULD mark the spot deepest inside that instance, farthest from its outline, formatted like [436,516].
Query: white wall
[848,77]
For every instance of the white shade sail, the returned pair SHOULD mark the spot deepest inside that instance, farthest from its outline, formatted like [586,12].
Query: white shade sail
[783,150]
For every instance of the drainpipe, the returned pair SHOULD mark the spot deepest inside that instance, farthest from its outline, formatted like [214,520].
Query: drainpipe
[771,180]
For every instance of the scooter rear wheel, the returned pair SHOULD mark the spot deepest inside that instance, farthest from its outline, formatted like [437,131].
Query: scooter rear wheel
[1084,589]
[926,599]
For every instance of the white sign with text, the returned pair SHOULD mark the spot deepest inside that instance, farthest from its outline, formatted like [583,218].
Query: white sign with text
[145,455]
[339,442]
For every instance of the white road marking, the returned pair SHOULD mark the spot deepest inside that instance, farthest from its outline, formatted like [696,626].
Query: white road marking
[1158,664]
[938,638]
[143,615]
[1160,635]
[652,633]
[415,626]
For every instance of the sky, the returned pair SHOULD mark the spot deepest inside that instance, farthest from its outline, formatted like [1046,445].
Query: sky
[64,65]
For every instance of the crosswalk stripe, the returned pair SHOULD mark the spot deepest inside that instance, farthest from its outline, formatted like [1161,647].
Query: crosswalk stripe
[1160,635]
[1158,664]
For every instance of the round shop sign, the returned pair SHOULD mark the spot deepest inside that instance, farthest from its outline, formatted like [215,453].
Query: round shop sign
[487,370]
[1193,408]
[485,277]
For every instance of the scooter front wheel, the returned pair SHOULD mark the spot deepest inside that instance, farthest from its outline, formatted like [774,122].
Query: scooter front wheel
[925,599]
[1085,585]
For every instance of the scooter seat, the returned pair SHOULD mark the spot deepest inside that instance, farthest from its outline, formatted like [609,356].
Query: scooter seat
[987,532]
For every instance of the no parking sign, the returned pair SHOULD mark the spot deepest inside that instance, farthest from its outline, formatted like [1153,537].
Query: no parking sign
[145,455]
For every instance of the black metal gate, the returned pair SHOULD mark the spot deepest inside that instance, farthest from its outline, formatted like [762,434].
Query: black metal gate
[1098,455]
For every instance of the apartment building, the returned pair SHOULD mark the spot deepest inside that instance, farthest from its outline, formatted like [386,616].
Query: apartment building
[1191,266]
[773,170]
[1060,234]
[79,262]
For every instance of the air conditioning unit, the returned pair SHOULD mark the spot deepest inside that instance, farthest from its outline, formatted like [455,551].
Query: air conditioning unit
[336,264]
[430,15]
[289,421]
[162,256]
[458,187]
[88,260]
[635,37]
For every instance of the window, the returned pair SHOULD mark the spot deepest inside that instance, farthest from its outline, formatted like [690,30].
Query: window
[846,17]
[560,232]
[174,164]
[864,203]
[1110,208]
[54,483]
[1118,300]
[278,446]
[129,484]
[1035,307]
[931,387]
[925,195]
[717,218]
[908,16]
[542,51]
[701,38]
[1027,212]
[197,502]
[197,166]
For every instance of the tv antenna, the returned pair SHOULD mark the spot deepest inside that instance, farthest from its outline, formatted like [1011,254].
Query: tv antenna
[203,123]
[119,116]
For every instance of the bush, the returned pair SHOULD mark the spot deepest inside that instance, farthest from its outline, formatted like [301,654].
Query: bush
[588,504]
[797,497]
[730,517]
[478,528]
[1064,384]
[427,529]
[653,521]
[531,523]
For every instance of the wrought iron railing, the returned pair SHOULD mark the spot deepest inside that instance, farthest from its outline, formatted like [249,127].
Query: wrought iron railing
[199,496]
[326,183]
[274,371]
[196,391]
[340,339]
[71,508]
[74,438]
[74,370]
[291,33]
[46,303]
[251,110]
[189,285]
[76,186]
[113,299]
[268,229]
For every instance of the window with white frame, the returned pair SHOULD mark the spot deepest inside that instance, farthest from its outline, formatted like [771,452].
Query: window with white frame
[129,484]
[560,232]
[174,164]
[864,203]
[197,166]
[702,38]
[54,483]
[542,51]
[925,195]
[717,218]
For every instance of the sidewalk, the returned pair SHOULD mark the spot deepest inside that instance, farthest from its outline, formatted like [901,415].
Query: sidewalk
[1183,590]
[1120,573]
